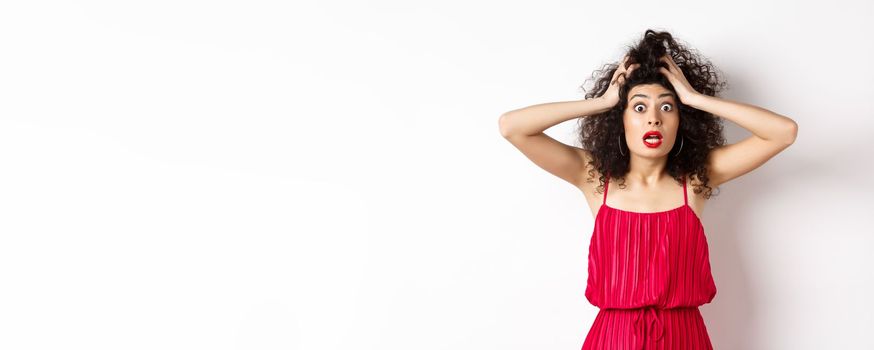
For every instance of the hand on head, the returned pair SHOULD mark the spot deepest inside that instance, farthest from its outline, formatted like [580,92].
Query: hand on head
[618,80]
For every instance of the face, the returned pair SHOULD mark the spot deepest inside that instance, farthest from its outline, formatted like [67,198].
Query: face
[651,108]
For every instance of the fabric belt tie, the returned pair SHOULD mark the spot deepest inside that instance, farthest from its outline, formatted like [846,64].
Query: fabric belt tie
[640,328]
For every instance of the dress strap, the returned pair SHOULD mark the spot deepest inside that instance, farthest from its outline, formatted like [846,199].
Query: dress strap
[606,184]
[685,199]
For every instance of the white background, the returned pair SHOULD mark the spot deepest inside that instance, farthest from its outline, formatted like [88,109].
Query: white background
[330,175]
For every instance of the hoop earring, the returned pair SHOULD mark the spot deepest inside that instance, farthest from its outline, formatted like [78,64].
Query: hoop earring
[620,144]
[681,145]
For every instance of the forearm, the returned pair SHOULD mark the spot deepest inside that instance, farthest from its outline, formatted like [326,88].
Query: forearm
[537,118]
[759,121]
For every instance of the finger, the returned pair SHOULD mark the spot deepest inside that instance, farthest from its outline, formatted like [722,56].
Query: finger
[621,65]
[622,78]
[670,76]
[616,74]
[619,71]
[666,72]
[630,68]
[672,63]
[625,61]
[667,62]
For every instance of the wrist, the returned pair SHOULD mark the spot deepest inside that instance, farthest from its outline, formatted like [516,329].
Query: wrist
[696,100]
[605,103]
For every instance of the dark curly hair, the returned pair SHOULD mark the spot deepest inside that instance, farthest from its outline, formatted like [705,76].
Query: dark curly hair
[701,131]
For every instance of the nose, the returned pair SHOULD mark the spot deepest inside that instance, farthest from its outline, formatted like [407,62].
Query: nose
[654,118]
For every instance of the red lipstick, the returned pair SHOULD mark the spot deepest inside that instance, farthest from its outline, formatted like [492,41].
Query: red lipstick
[652,139]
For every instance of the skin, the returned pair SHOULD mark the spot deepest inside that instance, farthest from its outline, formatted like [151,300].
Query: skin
[648,186]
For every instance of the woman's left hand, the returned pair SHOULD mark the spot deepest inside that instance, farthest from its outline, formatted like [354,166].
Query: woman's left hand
[685,91]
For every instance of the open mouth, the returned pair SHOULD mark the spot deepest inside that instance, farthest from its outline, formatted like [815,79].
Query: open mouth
[652,139]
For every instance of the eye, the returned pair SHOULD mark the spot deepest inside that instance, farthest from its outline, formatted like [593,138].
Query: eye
[638,109]
[670,107]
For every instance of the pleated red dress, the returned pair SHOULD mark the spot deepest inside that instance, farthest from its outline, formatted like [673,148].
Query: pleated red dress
[648,273]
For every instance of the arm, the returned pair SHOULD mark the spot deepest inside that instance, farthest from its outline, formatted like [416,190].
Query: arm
[524,129]
[772,133]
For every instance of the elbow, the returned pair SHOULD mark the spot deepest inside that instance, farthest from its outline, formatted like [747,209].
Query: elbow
[504,125]
[793,132]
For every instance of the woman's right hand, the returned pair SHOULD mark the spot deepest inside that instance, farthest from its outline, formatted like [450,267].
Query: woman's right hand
[616,82]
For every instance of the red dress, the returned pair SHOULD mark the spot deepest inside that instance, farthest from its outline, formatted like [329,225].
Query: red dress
[648,273]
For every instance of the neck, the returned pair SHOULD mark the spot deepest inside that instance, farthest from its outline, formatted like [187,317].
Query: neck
[646,171]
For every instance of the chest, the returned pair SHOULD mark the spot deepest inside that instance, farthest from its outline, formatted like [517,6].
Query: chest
[643,201]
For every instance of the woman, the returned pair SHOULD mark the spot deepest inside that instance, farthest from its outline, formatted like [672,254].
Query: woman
[649,126]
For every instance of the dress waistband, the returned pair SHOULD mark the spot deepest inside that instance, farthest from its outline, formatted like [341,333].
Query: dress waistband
[648,321]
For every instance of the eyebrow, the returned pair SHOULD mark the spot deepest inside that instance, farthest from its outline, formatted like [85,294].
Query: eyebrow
[642,95]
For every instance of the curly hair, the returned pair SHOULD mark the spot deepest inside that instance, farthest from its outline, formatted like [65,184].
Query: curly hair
[602,134]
